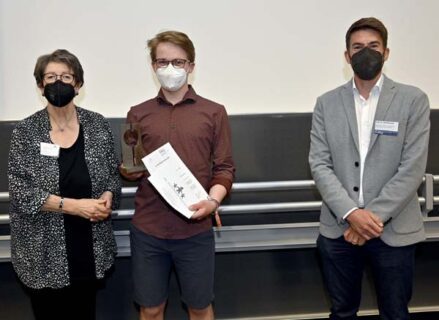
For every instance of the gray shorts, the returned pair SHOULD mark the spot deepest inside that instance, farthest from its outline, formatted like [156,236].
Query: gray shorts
[153,258]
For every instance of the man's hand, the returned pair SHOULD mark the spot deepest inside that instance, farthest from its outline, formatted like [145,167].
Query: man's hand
[203,209]
[365,223]
[132,176]
[351,236]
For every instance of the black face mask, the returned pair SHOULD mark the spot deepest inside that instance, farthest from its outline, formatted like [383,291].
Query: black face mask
[367,63]
[59,93]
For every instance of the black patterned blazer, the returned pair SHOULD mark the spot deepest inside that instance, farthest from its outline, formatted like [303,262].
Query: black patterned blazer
[38,246]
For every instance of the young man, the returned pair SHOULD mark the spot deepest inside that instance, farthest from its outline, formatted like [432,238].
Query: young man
[161,238]
[368,154]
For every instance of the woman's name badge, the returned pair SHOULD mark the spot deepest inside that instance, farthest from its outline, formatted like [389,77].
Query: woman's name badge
[387,128]
[49,149]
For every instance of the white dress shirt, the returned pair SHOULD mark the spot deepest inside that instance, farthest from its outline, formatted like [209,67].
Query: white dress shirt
[365,112]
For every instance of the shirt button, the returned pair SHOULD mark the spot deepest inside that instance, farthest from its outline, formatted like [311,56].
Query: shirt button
[356,163]
[355,189]
[172,126]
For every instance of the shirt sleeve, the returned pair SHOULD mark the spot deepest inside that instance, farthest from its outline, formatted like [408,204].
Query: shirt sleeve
[349,212]
[223,171]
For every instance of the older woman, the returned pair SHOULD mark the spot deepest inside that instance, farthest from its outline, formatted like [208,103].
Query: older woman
[63,184]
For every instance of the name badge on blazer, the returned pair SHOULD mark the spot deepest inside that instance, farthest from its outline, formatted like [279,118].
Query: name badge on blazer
[49,149]
[387,128]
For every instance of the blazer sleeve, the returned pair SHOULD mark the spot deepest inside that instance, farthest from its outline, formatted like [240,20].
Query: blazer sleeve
[26,196]
[402,187]
[321,164]
[113,183]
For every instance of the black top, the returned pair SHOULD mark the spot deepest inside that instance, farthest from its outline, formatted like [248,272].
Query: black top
[75,182]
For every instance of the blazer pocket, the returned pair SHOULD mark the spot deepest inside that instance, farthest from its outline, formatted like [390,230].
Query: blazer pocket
[408,221]
[327,217]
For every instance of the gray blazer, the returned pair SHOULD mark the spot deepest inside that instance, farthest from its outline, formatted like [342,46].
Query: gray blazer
[393,168]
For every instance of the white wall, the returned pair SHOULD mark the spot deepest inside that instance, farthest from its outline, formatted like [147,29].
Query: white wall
[254,56]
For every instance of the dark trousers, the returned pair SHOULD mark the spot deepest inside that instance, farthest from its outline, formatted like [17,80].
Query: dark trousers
[392,268]
[77,301]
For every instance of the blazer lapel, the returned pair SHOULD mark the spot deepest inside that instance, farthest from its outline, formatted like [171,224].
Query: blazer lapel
[349,106]
[386,97]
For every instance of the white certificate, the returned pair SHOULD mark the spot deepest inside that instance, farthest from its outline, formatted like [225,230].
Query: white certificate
[173,180]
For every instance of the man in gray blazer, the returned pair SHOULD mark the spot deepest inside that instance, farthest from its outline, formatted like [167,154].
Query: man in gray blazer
[368,154]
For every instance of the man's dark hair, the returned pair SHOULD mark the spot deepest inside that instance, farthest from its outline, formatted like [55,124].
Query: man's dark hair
[367,23]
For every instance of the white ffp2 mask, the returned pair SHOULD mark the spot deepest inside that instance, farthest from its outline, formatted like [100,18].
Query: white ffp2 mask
[171,78]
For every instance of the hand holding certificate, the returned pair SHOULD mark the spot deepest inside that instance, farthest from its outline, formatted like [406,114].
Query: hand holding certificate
[173,180]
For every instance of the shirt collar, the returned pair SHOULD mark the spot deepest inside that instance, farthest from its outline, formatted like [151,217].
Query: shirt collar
[189,97]
[376,88]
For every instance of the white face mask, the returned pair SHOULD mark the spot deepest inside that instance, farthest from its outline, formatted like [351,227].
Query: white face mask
[171,78]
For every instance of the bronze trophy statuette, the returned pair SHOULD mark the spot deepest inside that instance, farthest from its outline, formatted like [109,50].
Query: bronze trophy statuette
[131,146]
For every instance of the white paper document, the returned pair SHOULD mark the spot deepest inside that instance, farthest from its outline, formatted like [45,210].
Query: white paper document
[173,180]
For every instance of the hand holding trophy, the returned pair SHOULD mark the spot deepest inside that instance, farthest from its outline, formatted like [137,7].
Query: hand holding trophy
[132,167]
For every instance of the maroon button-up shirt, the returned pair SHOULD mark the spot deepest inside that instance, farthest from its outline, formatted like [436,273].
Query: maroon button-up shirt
[198,129]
